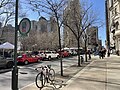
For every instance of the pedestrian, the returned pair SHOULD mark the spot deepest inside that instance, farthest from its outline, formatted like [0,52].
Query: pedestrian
[108,53]
[100,54]
[117,52]
[104,52]
[89,54]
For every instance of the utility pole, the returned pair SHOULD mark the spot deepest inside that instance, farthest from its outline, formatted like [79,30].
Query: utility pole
[107,26]
[15,68]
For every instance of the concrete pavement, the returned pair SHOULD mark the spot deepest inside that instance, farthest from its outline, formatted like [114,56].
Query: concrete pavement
[100,74]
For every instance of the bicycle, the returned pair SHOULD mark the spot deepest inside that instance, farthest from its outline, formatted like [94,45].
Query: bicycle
[46,74]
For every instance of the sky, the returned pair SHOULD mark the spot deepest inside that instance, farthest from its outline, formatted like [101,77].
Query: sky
[98,7]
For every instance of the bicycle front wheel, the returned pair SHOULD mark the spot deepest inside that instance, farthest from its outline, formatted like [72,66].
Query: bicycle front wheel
[51,75]
[40,80]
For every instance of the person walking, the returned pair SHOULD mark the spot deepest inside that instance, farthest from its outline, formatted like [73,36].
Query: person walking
[89,54]
[100,54]
[108,53]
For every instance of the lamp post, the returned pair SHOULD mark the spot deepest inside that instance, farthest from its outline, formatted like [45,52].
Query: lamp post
[15,68]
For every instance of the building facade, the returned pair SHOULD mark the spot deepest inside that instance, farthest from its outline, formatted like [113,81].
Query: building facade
[7,34]
[72,17]
[113,20]
[93,41]
[46,32]
[39,26]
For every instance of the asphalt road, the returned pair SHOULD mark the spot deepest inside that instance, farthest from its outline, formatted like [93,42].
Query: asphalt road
[27,73]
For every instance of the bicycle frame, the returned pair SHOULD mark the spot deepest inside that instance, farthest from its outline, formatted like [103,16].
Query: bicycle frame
[45,75]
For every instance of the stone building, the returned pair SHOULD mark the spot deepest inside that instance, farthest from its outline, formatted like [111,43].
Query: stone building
[113,24]
[46,28]
[44,25]
[52,26]
[71,15]
[92,38]
[39,26]
[7,34]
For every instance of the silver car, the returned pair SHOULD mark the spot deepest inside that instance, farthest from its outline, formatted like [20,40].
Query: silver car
[6,62]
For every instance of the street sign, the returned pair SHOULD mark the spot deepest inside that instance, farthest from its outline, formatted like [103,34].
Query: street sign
[24,26]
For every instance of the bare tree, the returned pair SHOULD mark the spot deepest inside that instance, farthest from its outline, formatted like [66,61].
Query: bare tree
[7,13]
[79,18]
[54,8]
[28,42]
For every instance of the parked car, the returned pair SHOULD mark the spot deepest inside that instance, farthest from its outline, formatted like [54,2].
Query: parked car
[74,52]
[42,55]
[64,53]
[51,54]
[28,59]
[6,62]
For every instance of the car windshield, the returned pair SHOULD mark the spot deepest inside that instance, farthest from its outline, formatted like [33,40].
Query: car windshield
[19,56]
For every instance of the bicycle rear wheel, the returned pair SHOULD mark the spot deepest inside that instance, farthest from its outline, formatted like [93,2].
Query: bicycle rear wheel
[40,80]
[51,75]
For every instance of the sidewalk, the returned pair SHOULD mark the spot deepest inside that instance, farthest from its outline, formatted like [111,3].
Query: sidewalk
[100,74]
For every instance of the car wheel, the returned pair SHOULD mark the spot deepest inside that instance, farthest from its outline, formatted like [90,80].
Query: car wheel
[63,56]
[9,64]
[49,58]
[58,57]
[38,60]
[26,62]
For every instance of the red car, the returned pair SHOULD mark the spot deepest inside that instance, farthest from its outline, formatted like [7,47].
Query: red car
[27,59]
[64,53]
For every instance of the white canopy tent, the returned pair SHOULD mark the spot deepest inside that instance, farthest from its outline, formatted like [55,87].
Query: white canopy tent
[6,45]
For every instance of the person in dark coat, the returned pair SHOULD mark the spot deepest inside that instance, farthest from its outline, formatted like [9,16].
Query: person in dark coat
[104,52]
[108,53]
[89,54]
[100,53]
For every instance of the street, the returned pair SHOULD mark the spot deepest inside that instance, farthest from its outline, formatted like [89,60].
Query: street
[99,74]
[27,73]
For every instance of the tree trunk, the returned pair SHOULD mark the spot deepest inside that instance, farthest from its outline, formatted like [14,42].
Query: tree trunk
[85,50]
[61,63]
[79,61]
